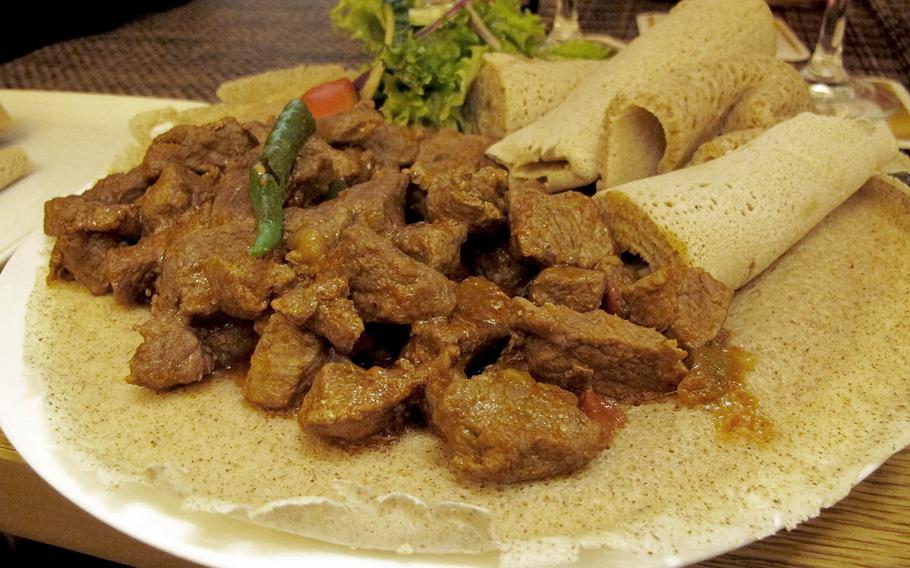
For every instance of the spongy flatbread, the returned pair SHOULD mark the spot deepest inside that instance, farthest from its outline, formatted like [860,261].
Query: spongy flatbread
[563,146]
[5,120]
[827,324]
[511,92]
[256,97]
[735,215]
[14,165]
[684,109]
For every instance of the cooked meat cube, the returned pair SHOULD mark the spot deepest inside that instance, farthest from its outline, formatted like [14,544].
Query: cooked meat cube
[485,307]
[82,257]
[389,286]
[312,232]
[448,150]
[169,355]
[476,198]
[483,314]
[176,190]
[618,278]
[228,341]
[200,148]
[565,228]
[505,427]
[319,164]
[395,145]
[258,131]
[378,203]
[132,270]
[285,360]
[351,127]
[351,403]
[322,306]
[339,322]
[615,357]
[438,245]
[577,288]
[122,187]
[73,213]
[684,302]
[208,269]
[499,266]
[462,184]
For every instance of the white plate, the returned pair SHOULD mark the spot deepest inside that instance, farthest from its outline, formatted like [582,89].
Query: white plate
[72,139]
[149,515]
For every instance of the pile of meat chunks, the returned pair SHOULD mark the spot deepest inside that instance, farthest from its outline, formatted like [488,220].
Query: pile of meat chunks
[431,288]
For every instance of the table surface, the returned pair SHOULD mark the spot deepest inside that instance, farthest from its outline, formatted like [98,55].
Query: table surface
[188,50]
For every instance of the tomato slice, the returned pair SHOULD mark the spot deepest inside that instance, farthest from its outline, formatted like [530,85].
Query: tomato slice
[331,98]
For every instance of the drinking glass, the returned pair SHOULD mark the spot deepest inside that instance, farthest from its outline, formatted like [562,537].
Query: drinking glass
[833,90]
[565,23]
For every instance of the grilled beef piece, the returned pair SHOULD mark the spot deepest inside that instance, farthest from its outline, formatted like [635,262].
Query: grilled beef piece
[228,341]
[284,363]
[82,257]
[355,126]
[438,245]
[351,403]
[133,270]
[565,228]
[505,427]
[73,213]
[202,149]
[322,305]
[395,146]
[579,289]
[319,164]
[387,285]
[378,203]
[461,183]
[176,191]
[208,269]
[122,187]
[684,302]
[170,354]
[615,357]
[483,314]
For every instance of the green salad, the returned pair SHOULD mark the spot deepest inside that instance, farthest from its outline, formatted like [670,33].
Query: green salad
[428,53]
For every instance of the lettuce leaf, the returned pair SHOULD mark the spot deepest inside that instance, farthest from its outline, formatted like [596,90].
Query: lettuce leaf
[427,80]
[577,49]
[362,19]
[519,31]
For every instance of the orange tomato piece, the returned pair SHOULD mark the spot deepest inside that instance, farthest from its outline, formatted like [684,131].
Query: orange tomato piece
[331,98]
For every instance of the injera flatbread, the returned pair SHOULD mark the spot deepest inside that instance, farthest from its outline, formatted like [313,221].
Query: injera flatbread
[735,215]
[14,165]
[564,145]
[511,92]
[656,127]
[827,325]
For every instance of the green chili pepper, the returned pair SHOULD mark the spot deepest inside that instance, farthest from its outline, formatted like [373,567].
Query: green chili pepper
[269,176]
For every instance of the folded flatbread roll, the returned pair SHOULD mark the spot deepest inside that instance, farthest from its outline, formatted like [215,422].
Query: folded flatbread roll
[656,128]
[14,162]
[511,92]
[735,215]
[563,145]
[5,120]
[14,165]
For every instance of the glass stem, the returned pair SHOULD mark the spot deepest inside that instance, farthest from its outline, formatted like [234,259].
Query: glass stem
[827,63]
[565,22]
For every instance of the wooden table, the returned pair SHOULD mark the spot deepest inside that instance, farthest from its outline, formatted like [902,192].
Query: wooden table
[187,51]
